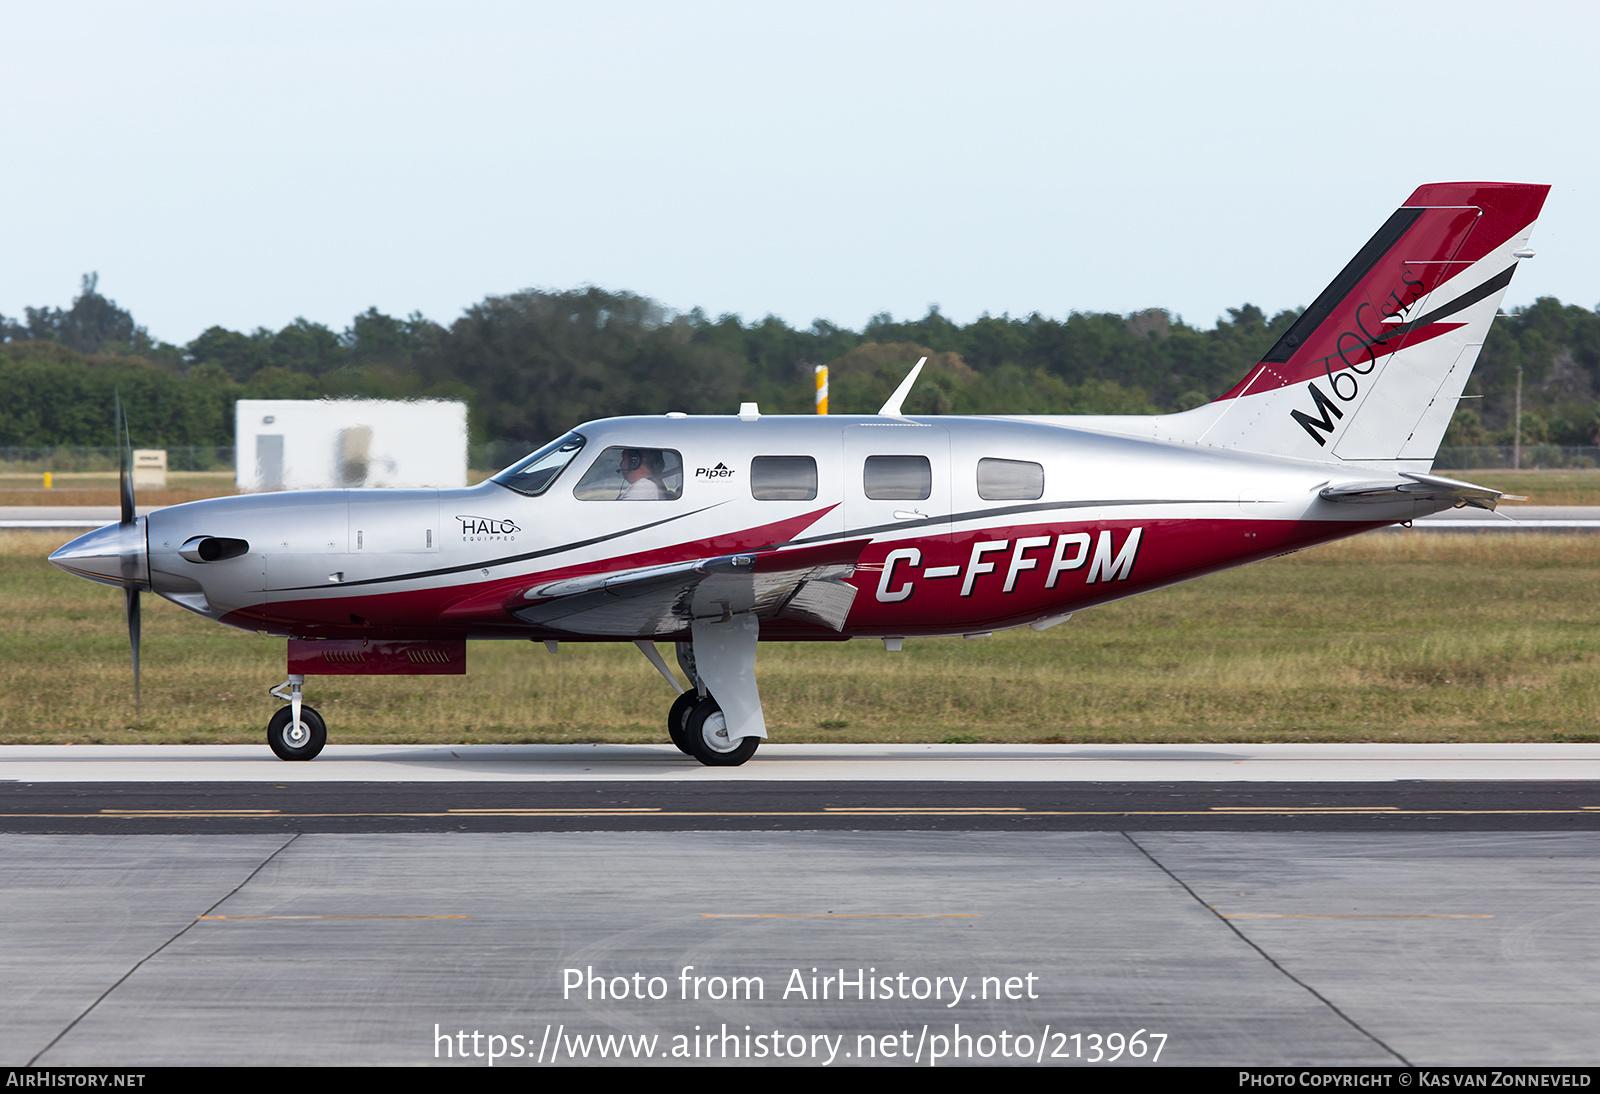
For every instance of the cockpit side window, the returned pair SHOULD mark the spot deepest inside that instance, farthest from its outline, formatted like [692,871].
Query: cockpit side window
[783,478]
[632,474]
[534,474]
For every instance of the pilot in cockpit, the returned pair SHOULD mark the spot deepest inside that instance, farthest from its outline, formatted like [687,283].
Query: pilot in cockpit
[641,470]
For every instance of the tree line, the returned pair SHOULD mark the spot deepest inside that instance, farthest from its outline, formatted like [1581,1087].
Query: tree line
[533,364]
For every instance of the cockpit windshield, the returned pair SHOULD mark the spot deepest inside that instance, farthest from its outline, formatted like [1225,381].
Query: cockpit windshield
[534,474]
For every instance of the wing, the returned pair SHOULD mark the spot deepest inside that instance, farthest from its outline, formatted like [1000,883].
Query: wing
[805,583]
[1415,486]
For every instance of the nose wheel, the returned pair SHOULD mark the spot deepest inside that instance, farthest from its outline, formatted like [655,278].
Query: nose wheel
[296,732]
[292,739]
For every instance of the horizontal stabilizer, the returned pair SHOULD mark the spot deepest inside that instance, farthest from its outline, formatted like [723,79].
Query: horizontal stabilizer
[1415,486]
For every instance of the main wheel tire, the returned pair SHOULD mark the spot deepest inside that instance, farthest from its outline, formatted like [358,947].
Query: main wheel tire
[678,720]
[300,742]
[708,737]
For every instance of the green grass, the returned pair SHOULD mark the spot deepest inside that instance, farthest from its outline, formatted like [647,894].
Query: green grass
[1389,637]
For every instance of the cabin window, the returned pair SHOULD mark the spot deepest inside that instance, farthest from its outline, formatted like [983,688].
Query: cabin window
[1010,480]
[533,474]
[621,473]
[898,478]
[783,478]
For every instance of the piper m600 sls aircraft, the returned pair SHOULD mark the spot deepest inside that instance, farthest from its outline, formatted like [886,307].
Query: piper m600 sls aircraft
[717,532]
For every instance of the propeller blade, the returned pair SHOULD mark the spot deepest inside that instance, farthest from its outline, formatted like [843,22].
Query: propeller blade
[132,596]
[130,591]
[125,444]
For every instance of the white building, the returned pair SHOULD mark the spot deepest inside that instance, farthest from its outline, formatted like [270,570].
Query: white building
[304,444]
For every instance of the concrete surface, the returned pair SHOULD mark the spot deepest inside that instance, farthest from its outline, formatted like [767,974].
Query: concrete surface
[1277,948]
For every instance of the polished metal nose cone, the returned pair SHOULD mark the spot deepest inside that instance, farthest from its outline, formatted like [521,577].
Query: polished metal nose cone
[113,555]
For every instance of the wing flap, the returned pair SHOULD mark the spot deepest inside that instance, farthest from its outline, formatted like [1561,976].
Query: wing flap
[806,584]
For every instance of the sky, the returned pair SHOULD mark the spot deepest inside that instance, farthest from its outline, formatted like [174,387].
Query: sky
[246,164]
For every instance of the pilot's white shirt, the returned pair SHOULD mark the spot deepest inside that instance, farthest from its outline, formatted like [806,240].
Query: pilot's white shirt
[641,490]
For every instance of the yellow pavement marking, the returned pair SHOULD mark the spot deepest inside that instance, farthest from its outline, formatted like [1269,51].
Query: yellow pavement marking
[188,812]
[1305,809]
[621,811]
[918,810]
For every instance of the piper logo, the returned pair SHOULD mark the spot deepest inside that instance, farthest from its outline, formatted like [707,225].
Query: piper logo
[721,471]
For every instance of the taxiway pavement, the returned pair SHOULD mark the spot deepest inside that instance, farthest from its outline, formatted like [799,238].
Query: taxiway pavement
[1255,904]
[807,762]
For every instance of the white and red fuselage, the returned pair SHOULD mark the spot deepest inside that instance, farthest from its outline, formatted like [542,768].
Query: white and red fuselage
[1115,516]
[827,527]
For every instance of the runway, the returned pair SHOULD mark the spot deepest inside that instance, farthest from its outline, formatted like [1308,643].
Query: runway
[1512,518]
[617,904]
[142,808]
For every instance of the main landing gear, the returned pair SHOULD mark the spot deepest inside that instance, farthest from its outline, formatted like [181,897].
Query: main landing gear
[698,727]
[718,719]
[296,732]
[678,719]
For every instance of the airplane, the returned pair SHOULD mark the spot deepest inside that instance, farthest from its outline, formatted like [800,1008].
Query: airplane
[715,533]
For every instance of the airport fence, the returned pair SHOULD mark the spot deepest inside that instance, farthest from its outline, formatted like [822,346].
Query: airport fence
[65,459]
[1505,456]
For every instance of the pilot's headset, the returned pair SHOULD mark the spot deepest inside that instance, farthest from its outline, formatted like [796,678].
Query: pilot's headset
[632,459]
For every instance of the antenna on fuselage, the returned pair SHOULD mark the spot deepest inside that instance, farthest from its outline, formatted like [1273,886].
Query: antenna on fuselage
[891,408]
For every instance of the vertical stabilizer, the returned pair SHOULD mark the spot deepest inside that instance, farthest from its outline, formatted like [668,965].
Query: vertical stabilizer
[1372,371]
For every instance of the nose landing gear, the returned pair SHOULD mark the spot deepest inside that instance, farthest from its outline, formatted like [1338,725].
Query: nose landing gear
[296,732]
